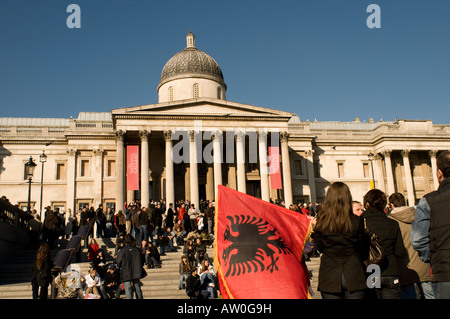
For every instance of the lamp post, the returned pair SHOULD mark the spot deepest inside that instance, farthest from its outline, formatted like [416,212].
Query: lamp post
[29,171]
[42,159]
[371,158]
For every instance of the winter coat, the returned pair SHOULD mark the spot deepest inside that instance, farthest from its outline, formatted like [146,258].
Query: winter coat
[389,237]
[411,268]
[42,277]
[130,263]
[343,254]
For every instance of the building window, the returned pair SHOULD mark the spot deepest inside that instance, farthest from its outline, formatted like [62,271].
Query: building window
[111,168]
[171,94]
[84,168]
[219,93]
[298,170]
[366,170]
[340,167]
[196,91]
[60,171]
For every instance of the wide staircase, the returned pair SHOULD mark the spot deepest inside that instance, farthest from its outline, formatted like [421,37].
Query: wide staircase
[160,283]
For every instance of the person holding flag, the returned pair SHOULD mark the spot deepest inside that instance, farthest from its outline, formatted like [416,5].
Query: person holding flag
[259,248]
[340,236]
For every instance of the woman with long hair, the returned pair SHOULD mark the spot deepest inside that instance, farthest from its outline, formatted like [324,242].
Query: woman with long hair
[41,275]
[340,236]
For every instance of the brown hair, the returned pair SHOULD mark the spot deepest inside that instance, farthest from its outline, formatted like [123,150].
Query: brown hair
[334,217]
[42,254]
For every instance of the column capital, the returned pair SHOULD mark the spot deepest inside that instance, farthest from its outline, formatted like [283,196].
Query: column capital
[377,157]
[433,153]
[192,134]
[98,152]
[72,152]
[262,134]
[120,135]
[144,135]
[284,136]
[405,153]
[216,133]
[386,152]
[309,153]
[239,135]
[168,135]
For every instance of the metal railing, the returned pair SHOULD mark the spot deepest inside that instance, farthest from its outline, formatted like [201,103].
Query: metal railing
[13,215]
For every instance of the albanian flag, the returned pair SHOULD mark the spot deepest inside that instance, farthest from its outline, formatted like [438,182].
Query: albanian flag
[258,249]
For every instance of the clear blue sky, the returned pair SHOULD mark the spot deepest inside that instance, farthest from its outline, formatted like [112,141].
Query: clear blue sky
[317,59]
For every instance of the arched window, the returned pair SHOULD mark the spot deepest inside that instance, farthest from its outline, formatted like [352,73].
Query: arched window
[219,93]
[171,94]
[196,91]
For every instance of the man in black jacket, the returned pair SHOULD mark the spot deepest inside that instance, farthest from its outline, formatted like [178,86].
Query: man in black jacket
[430,231]
[131,269]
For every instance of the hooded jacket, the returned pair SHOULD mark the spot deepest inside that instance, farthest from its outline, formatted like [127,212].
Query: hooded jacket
[411,268]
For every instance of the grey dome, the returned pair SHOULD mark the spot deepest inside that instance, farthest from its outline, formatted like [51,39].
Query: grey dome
[189,63]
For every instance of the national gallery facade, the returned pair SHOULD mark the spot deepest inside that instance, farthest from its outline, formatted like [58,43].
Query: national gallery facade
[193,139]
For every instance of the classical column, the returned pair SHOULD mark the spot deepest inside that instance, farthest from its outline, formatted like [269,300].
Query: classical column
[120,174]
[389,175]
[217,145]
[286,163]
[193,169]
[432,155]
[98,177]
[240,158]
[263,165]
[145,168]
[408,178]
[379,173]
[71,177]
[210,183]
[170,184]
[311,176]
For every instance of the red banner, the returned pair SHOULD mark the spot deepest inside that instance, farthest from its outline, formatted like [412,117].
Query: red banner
[274,167]
[258,249]
[132,167]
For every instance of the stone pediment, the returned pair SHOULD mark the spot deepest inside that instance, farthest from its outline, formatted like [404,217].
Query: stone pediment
[205,107]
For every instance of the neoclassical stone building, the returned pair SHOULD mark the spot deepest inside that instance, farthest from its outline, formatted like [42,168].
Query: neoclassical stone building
[193,139]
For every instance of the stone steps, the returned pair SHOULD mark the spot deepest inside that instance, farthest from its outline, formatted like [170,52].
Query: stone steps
[160,283]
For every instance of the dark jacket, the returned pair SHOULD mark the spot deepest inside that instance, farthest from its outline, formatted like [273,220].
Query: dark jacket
[42,277]
[130,263]
[439,202]
[343,254]
[389,237]
[113,278]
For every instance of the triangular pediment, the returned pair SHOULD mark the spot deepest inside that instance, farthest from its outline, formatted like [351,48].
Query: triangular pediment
[202,107]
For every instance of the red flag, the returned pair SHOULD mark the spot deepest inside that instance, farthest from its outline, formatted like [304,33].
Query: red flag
[132,167]
[274,167]
[258,251]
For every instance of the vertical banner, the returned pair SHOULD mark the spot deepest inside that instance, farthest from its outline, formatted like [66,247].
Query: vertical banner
[274,167]
[132,167]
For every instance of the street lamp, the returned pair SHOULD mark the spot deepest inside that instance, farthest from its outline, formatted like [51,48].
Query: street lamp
[29,171]
[371,158]
[42,159]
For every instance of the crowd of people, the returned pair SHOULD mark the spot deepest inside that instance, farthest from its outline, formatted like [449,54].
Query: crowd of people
[150,231]
[415,242]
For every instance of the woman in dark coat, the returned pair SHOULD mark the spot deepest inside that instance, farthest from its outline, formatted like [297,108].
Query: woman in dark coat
[41,275]
[390,239]
[339,235]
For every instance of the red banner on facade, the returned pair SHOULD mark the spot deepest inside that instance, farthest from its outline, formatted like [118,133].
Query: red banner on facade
[274,167]
[258,249]
[132,167]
